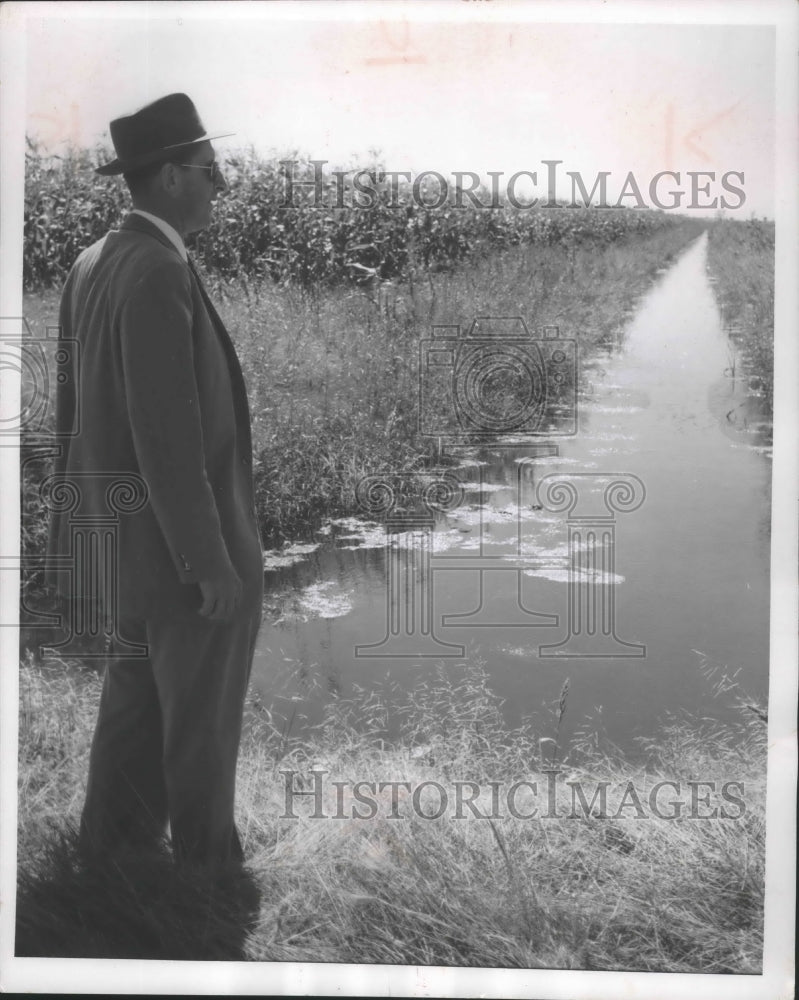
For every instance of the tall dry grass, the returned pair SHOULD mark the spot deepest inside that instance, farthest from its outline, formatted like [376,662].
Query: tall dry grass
[741,263]
[573,892]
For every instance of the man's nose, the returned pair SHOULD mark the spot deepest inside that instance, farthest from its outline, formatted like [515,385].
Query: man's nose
[220,184]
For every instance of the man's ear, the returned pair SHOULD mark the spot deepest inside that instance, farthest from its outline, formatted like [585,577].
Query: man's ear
[169,176]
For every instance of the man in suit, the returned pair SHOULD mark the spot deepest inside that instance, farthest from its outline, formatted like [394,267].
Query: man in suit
[161,397]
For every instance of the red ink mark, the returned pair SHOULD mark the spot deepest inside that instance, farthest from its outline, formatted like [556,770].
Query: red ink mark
[58,127]
[400,43]
[697,132]
[669,136]
[689,141]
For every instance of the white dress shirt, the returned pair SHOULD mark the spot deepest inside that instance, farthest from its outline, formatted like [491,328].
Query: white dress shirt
[171,234]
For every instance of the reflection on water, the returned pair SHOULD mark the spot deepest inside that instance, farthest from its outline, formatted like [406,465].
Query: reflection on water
[689,567]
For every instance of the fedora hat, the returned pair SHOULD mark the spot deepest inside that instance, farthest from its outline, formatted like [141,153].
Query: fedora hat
[152,133]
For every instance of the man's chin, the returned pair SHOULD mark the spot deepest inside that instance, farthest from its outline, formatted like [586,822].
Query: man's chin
[198,227]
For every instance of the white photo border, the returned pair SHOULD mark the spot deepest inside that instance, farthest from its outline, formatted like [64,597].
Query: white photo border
[89,976]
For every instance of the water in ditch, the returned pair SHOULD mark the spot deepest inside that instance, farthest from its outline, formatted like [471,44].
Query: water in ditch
[644,594]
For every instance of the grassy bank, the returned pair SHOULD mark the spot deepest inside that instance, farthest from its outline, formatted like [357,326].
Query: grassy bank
[574,891]
[334,374]
[741,264]
[333,371]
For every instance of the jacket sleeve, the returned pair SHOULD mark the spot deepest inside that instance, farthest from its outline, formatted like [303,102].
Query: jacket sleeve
[164,411]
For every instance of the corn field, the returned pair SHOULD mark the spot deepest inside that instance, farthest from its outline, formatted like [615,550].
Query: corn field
[257,231]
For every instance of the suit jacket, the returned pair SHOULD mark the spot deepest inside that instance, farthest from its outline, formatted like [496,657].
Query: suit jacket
[156,392]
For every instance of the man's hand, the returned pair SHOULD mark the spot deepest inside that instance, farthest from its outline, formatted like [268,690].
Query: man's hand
[220,597]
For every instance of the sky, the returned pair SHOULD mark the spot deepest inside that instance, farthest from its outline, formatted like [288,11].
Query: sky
[430,90]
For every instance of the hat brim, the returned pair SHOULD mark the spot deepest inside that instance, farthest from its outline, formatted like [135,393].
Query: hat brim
[118,166]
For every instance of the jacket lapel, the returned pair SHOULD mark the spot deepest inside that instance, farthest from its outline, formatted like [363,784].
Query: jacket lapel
[142,225]
[239,386]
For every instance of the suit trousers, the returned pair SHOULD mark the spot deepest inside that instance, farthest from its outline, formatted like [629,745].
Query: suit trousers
[167,739]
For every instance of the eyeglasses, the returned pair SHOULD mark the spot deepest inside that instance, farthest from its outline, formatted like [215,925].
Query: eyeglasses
[215,172]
